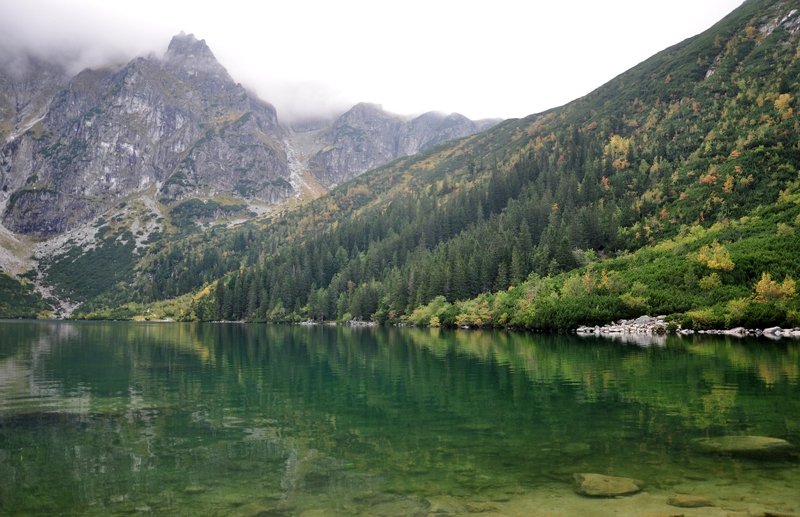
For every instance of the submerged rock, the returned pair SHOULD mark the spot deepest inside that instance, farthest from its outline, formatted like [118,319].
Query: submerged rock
[757,447]
[598,485]
[400,506]
[689,501]
[661,514]
[444,505]
[577,449]
[479,507]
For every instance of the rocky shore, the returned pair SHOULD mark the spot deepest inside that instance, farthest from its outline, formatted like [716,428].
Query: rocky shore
[349,323]
[646,325]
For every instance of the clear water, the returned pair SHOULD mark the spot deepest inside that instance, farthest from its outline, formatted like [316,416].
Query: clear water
[265,420]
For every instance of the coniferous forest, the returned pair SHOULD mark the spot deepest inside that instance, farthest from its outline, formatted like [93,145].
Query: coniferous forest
[673,189]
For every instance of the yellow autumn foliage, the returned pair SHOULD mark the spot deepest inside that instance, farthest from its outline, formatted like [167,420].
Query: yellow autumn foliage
[769,290]
[782,102]
[716,257]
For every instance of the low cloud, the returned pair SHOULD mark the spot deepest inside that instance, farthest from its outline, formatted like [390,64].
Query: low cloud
[299,103]
[82,38]
[312,58]
[75,39]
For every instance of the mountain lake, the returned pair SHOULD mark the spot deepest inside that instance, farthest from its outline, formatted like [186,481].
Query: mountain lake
[249,420]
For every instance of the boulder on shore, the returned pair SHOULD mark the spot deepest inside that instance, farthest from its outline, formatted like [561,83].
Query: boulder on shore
[756,447]
[598,485]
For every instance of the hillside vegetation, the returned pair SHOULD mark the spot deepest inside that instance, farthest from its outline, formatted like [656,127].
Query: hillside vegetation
[673,189]
[19,300]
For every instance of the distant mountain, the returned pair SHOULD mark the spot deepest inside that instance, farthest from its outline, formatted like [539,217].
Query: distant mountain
[367,137]
[173,128]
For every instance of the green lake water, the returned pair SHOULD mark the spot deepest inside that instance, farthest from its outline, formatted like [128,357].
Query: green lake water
[271,420]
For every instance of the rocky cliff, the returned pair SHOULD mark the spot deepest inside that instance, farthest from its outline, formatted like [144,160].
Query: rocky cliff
[367,137]
[178,124]
[27,85]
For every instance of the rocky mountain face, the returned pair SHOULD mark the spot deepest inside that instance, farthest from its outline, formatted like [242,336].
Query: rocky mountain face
[367,137]
[27,85]
[174,128]
[179,125]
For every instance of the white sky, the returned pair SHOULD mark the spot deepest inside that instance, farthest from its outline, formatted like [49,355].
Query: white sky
[491,59]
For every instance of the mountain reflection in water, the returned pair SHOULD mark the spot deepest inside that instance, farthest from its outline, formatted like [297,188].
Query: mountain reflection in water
[198,419]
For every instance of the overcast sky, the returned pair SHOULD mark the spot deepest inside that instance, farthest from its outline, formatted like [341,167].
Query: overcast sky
[491,59]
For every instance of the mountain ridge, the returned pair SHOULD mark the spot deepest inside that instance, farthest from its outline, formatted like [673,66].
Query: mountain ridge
[179,122]
[367,129]
[668,189]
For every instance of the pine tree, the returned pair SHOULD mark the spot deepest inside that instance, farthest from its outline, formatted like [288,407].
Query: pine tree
[219,297]
[501,281]
[473,277]
[236,299]
[519,271]
[252,301]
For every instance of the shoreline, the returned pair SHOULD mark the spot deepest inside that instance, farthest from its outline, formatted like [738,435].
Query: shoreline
[646,325]
[643,326]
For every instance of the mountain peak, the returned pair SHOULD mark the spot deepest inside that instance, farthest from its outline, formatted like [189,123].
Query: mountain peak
[186,44]
[185,51]
[367,107]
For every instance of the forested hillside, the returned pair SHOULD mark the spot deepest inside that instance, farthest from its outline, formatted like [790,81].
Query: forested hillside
[673,189]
